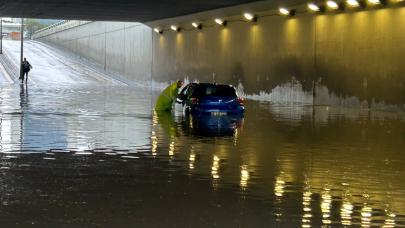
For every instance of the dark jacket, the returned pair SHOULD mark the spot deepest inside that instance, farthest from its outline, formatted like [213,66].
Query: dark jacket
[26,66]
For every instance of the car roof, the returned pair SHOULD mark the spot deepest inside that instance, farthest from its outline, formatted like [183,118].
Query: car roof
[208,84]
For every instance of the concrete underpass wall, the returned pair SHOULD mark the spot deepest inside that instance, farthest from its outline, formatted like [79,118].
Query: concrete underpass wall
[352,59]
[119,47]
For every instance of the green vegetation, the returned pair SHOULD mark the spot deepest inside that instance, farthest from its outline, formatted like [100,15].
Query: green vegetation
[32,25]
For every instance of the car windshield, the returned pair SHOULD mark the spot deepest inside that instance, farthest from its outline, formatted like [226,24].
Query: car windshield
[214,90]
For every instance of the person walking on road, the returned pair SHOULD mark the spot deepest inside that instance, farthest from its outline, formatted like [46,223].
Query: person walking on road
[168,97]
[26,67]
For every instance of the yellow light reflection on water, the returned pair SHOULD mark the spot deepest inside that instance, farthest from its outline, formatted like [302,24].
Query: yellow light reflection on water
[171,149]
[154,140]
[306,216]
[366,216]
[326,205]
[279,187]
[244,176]
[215,167]
[346,213]
[191,159]
[155,119]
[390,221]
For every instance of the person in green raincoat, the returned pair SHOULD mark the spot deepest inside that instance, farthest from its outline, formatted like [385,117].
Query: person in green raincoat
[168,97]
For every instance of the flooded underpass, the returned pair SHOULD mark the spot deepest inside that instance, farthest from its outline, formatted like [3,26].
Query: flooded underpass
[80,149]
[94,155]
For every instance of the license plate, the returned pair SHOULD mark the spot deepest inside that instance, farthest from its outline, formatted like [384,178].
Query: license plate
[219,113]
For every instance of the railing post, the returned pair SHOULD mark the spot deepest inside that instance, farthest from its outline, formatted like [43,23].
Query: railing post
[1,35]
[22,47]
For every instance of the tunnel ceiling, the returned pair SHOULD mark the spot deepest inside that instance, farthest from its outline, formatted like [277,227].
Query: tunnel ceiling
[111,10]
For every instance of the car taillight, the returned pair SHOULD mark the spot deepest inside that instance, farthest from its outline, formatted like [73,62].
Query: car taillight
[240,100]
[194,101]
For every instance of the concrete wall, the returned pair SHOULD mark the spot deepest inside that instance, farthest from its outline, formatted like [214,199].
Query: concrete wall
[346,59]
[354,58]
[118,47]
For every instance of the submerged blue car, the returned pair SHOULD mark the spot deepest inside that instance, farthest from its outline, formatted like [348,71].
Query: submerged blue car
[212,99]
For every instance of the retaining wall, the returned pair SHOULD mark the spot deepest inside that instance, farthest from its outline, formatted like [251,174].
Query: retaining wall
[343,59]
[118,47]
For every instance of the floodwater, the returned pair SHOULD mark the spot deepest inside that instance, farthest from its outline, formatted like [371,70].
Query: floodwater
[97,156]
[91,153]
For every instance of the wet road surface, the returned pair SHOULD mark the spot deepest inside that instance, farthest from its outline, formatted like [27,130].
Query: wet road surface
[95,155]
[53,67]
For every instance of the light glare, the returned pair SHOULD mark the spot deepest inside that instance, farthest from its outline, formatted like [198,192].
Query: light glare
[174,28]
[353,3]
[219,21]
[374,2]
[332,4]
[249,16]
[313,7]
[157,30]
[284,11]
[197,25]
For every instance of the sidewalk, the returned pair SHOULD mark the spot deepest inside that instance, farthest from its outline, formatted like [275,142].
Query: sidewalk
[5,77]
[53,67]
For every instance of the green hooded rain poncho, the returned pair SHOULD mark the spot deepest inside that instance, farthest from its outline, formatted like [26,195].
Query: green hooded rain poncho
[167,97]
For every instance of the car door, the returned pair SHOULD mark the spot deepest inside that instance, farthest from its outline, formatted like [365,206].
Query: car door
[182,97]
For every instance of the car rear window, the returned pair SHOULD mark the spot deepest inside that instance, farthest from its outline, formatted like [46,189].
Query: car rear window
[214,90]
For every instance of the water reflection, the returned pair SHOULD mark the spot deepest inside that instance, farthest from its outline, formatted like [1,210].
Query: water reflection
[23,95]
[244,177]
[346,212]
[306,214]
[277,166]
[77,118]
[366,215]
[192,158]
[215,167]
[326,205]
[299,153]
[206,125]
[390,220]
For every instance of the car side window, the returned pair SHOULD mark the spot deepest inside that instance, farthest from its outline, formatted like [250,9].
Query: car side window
[189,91]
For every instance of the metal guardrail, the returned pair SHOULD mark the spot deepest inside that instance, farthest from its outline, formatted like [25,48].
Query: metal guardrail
[58,27]
[11,68]
[52,26]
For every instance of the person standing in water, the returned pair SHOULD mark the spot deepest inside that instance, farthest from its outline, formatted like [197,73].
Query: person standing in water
[168,97]
[26,67]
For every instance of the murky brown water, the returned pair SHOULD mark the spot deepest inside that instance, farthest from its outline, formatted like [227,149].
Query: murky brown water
[98,157]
